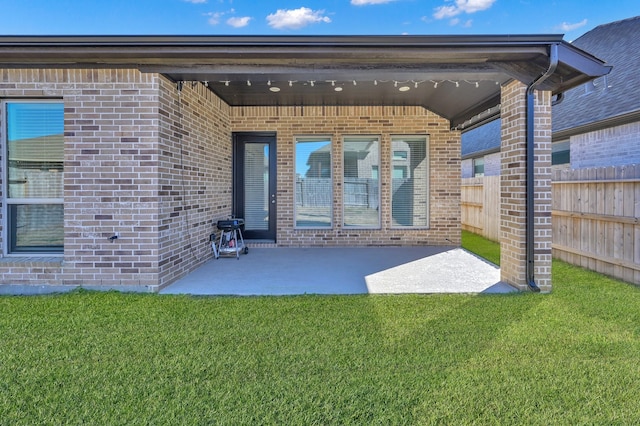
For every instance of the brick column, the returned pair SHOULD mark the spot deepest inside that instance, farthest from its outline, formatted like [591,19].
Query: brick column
[513,188]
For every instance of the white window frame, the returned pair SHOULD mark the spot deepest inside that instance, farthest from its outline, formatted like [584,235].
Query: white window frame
[8,201]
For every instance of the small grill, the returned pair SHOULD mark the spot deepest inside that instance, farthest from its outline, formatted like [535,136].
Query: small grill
[230,242]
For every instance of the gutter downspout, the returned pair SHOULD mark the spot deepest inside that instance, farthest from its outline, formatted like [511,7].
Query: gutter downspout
[530,179]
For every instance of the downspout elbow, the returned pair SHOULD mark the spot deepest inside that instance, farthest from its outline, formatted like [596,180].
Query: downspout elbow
[558,100]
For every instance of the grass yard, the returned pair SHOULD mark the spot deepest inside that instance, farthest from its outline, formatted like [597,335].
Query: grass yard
[481,246]
[569,357]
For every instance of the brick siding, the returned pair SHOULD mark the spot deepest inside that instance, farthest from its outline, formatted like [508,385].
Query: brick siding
[513,188]
[444,161]
[491,165]
[194,175]
[614,146]
[110,176]
[153,164]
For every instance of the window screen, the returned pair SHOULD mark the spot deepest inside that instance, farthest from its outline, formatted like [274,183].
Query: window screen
[256,186]
[361,184]
[410,182]
[313,187]
[34,168]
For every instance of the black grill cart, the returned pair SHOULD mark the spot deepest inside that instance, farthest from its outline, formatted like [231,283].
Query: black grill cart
[230,242]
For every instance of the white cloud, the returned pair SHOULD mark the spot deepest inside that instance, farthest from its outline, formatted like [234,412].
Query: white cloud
[458,22]
[366,2]
[462,6]
[296,18]
[565,26]
[195,1]
[239,22]
[214,17]
[445,12]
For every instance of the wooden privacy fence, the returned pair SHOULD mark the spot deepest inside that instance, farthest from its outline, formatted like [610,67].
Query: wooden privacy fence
[481,206]
[595,217]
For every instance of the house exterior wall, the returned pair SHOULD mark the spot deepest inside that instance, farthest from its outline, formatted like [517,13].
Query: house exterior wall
[491,165]
[513,188]
[466,168]
[153,164]
[141,160]
[613,146]
[110,177]
[444,162]
[194,175]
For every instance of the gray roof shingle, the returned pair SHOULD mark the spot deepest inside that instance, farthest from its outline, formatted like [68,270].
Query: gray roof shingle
[617,43]
[481,139]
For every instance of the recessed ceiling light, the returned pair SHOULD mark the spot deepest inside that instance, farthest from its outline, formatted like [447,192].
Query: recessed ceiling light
[274,89]
[404,88]
[338,89]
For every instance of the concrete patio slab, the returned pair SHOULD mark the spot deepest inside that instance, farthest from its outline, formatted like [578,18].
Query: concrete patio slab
[388,270]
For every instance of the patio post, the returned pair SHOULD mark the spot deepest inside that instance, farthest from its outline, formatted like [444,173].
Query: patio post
[513,209]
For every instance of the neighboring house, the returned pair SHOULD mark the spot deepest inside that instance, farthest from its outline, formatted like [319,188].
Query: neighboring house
[594,125]
[163,136]
[481,150]
[600,120]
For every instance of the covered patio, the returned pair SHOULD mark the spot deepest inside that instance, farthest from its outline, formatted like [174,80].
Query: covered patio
[342,270]
[165,135]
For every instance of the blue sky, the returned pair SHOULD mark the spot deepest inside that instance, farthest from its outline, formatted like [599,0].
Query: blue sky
[309,17]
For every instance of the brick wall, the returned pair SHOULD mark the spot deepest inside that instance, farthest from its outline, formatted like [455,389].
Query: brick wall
[194,175]
[153,164]
[513,184]
[614,146]
[444,160]
[110,176]
[492,163]
[491,166]
[466,168]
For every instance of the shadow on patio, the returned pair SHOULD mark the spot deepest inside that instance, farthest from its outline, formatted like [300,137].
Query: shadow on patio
[385,270]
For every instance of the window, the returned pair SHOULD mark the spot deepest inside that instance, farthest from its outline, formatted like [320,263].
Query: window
[399,172]
[313,190]
[410,182]
[399,155]
[361,196]
[478,167]
[33,194]
[560,153]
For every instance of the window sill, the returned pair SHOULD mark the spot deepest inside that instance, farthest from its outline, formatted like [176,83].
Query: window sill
[32,261]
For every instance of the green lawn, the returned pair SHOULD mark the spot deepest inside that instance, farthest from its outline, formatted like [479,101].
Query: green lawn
[569,357]
[481,246]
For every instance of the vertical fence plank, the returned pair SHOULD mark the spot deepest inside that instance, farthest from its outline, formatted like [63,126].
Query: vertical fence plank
[492,207]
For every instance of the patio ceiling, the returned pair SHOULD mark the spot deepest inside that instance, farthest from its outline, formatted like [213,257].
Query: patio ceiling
[457,77]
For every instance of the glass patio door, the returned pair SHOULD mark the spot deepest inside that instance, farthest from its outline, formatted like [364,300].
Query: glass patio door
[255,184]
